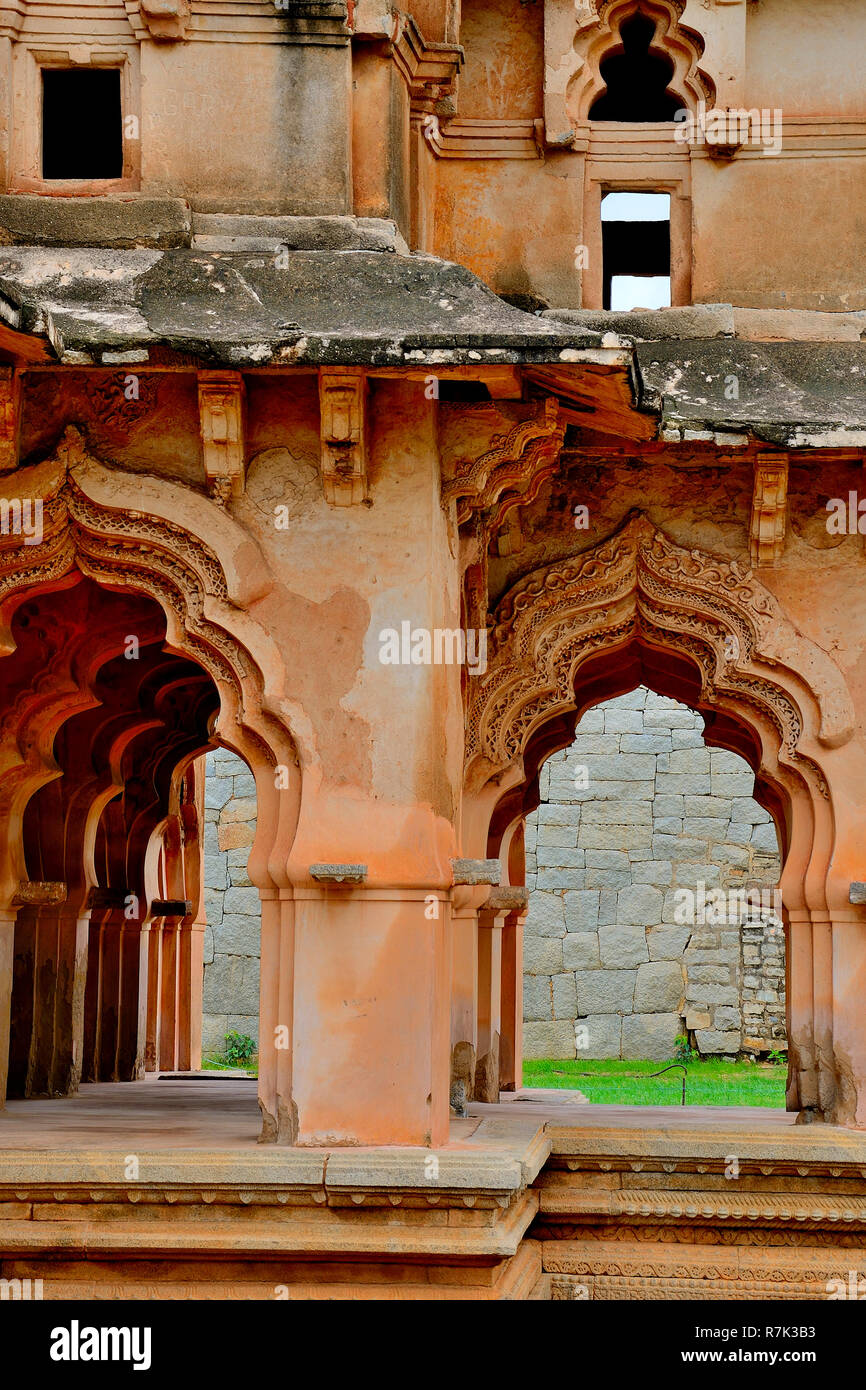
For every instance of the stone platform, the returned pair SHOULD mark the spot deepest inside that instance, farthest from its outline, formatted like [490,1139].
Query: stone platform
[159,1190]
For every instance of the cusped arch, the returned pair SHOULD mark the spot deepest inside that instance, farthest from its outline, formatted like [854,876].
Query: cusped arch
[600,38]
[144,534]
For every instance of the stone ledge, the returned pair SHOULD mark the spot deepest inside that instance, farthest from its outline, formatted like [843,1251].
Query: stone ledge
[120,222]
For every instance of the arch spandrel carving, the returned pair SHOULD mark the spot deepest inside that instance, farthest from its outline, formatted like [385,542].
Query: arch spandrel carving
[640,584]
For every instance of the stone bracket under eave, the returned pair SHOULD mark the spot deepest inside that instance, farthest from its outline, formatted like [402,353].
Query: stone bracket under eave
[221,401]
[166,20]
[769,510]
[343,414]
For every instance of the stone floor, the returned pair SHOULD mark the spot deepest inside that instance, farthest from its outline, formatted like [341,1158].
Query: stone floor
[218,1112]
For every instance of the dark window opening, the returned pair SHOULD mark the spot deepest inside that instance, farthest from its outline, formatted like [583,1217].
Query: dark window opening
[82,126]
[456,390]
[636,250]
[636,78]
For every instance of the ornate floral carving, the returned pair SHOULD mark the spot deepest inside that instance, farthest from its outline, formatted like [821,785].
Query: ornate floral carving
[639,583]
[513,466]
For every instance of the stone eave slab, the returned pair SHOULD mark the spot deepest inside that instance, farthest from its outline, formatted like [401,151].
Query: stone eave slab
[325,307]
[794,395]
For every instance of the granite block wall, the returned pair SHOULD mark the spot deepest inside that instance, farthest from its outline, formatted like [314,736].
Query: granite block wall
[233,936]
[619,959]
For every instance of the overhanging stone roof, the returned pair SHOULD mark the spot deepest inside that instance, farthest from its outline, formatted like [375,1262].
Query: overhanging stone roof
[379,308]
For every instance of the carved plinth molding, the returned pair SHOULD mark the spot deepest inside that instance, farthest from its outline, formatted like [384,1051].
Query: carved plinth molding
[769,510]
[343,406]
[221,416]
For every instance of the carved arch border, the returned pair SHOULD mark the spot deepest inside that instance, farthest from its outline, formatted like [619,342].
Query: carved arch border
[142,533]
[753,669]
[601,36]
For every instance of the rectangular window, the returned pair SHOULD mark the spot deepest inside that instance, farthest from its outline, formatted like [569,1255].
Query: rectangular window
[82,123]
[636,250]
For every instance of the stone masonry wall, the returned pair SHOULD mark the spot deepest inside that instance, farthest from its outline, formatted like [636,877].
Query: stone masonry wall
[608,971]
[233,937]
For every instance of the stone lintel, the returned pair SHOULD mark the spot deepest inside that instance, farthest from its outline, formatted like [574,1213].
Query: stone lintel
[39,894]
[476,871]
[170,907]
[338,873]
[507,899]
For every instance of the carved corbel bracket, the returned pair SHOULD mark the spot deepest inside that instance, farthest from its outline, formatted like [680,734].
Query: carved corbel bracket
[343,405]
[769,510]
[512,468]
[10,418]
[221,416]
[166,20]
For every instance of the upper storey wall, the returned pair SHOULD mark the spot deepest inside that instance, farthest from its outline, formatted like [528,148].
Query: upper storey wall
[521,169]
[236,106]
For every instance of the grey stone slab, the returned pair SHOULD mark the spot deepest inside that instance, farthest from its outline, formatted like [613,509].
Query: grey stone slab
[556,813]
[564,996]
[542,955]
[622,767]
[561,836]
[667,825]
[616,860]
[641,905]
[553,857]
[667,943]
[243,900]
[624,721]
[764,837]
[537,998]
[603,1036]
[622,946]
[546,915]
[579,951]
[690,762]
[610,813]
[711,1042]
[658,872]
[615,837]
[238,935]
[716,807]
[581,910]
[651,1036]
[705,827]
[601,790]
[548,1039]
[747,809]
[680,784]
[659,988]
[732,783]
[646,743]
[605,991]
[607,878]
[668,806]
[557,879]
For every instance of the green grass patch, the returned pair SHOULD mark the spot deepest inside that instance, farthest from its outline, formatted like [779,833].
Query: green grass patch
[217,1062]
[710,1081]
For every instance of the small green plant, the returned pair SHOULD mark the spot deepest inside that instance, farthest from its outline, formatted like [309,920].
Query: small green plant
[239,1048]
[777,1058]
[683,1050]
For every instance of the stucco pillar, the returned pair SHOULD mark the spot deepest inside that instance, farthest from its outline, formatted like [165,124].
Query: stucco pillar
[465,902]
[154,987]
[849,1035]
[50,966]
[276,1017]
[372,980]
[490,921]
[7,940]
[511,1039]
